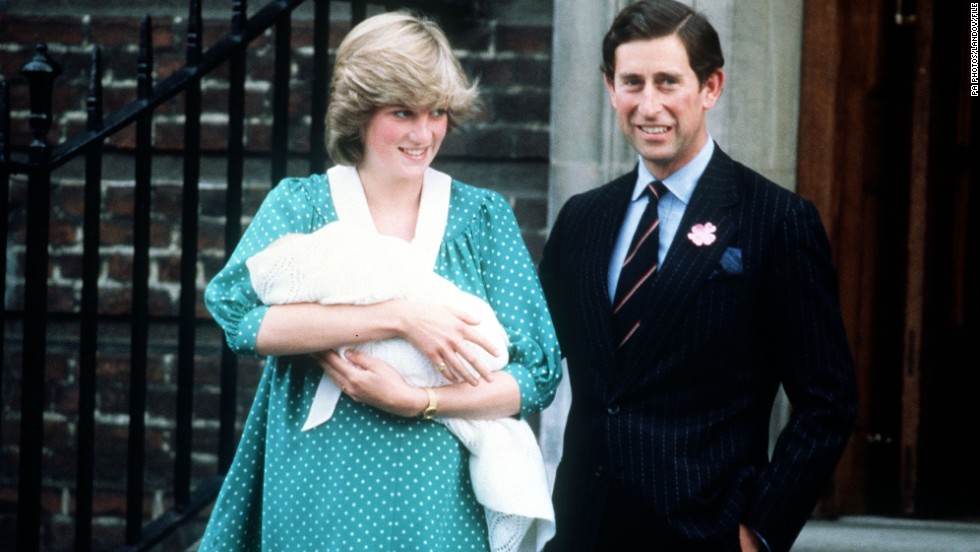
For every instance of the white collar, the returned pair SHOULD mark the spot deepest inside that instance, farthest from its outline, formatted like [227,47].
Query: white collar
[351,205]
[683,181]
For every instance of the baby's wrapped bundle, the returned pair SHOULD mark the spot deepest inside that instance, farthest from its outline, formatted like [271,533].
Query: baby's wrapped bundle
[343,263]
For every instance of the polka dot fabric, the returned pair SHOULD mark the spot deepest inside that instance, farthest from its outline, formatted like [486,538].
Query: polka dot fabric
[367,480]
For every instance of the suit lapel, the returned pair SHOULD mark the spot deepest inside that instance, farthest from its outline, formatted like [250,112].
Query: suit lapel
[687,265]
[599,238]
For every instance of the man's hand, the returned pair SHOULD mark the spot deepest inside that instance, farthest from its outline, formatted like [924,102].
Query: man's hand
[748,539]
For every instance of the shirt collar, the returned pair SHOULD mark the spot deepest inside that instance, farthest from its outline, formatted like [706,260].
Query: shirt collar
[682,182]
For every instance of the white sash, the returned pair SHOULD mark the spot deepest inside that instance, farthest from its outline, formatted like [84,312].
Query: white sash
[351,205]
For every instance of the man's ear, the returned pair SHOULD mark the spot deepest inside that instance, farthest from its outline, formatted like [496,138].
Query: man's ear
[712,88]
[611,88]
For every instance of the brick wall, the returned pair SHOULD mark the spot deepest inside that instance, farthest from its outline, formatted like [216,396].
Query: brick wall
[505,149]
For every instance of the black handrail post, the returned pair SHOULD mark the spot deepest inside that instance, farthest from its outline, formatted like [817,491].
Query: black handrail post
[88,330]
[140,307]
[280,99]
[188,266]
[320,86]
[358,11]
[233,229]
[4,207]
[40,72]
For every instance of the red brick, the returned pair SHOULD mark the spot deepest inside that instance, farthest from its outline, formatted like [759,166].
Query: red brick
[258,137]
[125,31]
[116,232]
[108,532]
[68,265]
[166,201]
[169,136]
[60,533]
[111,366]
[472,38]
[214,31]
[115,301]
[70,200]
[51,500]
[160,235]
[12,59]
[73,127]
[200,310]
[108,503]
[160,303]
[169,269]
[15,294]
[64,232]
[531,213]
[524,39]
[118,200]
[61,299]
[260,66]
[301,33]
[56,367]
[29,29]
[116,96]
[212,266]
[338,30]
[124,139]
[114,399]
[66,399]
[167,64]
[216,100]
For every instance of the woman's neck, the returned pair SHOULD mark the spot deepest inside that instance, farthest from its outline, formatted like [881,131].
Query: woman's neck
[394,204]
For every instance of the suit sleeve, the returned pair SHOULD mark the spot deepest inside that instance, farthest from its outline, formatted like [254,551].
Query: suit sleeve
[550,272]
[814,362]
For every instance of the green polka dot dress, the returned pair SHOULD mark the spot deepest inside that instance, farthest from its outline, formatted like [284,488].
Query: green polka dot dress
[368,480]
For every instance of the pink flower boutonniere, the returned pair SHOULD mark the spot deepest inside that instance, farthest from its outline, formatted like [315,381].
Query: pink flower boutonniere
[702,234]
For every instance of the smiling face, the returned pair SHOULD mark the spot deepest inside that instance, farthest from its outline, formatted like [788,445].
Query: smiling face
[659,103]
[401,142]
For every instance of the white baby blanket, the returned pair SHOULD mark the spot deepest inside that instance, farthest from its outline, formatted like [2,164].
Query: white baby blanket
[348,262]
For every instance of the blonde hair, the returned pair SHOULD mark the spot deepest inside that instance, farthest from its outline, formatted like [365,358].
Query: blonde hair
[392,59]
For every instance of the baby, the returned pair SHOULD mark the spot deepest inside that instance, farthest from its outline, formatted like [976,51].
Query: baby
[343,263]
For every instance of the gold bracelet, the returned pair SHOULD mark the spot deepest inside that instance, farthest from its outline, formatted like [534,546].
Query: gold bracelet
[430,411]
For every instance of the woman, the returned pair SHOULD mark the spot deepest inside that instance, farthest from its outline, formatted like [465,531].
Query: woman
[379,475]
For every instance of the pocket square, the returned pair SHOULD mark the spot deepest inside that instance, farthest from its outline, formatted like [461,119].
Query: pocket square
[730,263]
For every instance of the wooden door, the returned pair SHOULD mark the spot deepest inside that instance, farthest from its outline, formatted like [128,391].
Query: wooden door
[885,130]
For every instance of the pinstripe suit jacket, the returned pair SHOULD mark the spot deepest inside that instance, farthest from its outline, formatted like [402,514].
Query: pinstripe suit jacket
[680,424]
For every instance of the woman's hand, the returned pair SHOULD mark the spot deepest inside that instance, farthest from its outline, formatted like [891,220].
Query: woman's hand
[368,380]
[440,333]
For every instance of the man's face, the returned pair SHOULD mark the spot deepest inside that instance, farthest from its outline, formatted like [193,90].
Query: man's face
[659,103]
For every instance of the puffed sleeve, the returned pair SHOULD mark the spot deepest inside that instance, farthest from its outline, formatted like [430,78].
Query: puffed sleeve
[514,292]
[288,208]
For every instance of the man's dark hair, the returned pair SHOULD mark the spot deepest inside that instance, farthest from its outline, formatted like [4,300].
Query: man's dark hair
[659,18]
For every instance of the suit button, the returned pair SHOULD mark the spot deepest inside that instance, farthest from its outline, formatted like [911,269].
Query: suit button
[613,410]
[599,471]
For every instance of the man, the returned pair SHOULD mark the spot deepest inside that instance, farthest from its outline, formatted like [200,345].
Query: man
[679,323]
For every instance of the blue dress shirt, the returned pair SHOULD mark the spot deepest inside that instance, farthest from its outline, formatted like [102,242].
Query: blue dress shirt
[680,186]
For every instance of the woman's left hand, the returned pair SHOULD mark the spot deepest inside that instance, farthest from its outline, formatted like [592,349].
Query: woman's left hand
[371,381]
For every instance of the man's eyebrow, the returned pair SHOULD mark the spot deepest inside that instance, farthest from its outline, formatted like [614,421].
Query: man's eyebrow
[627,74]
[676,75]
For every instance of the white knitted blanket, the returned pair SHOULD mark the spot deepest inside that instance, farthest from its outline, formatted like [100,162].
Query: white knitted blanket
[342,263]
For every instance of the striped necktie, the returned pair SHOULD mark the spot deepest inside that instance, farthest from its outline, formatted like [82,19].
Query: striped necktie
[638,268]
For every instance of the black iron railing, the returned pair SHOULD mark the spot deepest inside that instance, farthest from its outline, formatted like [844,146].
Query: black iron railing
[38,162]
[39,159]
